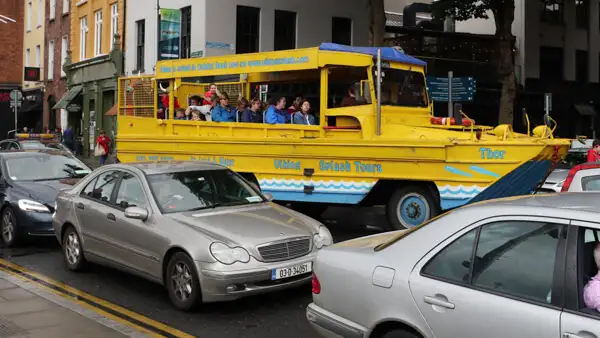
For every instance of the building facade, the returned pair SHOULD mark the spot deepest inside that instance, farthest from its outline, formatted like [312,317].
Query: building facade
[11,59]
[213,28]
[93,63]
[33,56]
[57,36]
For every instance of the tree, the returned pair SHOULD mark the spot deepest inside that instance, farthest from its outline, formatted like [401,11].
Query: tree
[503,12]
[376,12]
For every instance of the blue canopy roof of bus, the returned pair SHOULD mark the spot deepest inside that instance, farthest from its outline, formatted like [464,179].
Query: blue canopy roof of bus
[387,53]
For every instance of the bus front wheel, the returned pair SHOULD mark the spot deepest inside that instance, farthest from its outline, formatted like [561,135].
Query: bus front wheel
[411,206]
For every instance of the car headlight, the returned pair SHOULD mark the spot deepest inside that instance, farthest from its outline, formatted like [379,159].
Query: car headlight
[228,255]
[32,206]
[323,238]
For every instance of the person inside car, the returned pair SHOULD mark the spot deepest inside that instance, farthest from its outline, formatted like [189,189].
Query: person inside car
[591,292]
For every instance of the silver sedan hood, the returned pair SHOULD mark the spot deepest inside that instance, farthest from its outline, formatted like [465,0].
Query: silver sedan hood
[248,226]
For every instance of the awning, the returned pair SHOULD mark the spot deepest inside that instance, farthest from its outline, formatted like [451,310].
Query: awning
[112,111]
[68,97]
[585,110]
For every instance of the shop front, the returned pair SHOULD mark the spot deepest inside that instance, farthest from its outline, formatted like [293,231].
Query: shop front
[32,109]
[7,115]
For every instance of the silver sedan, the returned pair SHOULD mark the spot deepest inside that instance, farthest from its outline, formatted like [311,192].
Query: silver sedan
[513,267]
[198,228]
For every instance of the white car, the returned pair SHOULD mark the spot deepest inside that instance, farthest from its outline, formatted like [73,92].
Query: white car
[583,177]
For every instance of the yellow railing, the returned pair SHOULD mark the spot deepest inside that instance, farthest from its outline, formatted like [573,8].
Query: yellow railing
[137,96]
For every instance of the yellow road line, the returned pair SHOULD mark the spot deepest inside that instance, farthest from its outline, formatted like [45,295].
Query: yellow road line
[78,293]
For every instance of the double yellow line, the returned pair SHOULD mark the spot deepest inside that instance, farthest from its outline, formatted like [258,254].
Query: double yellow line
[106,309]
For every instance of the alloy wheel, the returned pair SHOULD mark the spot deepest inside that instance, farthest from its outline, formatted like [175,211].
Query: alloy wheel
[181,281]
[73,249]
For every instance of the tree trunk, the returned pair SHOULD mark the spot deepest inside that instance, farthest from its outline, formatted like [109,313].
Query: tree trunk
[504,16]
[376,10]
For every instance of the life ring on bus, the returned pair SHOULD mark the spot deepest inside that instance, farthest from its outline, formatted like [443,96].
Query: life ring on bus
[450,121]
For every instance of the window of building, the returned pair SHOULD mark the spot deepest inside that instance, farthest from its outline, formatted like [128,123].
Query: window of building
[40,13]
[50,75]
[66,6]
[82,38]
[285,30]
[141,41]
[52,9]
[581,66]
[582,10]
[29,15]
[552,11]
[63,54]
[341,31]
[98,33]
[38,56]
[551,63]
[186,32]
[27,57]
[247,29]
[114,22]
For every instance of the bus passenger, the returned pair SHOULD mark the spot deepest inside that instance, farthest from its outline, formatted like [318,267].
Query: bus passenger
[197,116]
[275,113]
[180,114]
[240,110]
[254,114]
[304,116]
[223,111]
[212,90]
[349,99]
[295,107]
[194,103]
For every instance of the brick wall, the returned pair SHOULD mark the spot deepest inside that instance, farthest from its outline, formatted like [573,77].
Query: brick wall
[11,40]
[55,30]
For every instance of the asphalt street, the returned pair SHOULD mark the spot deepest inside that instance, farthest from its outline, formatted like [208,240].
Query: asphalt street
[279,314]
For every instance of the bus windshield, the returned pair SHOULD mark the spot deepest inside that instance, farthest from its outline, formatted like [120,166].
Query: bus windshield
[403,88]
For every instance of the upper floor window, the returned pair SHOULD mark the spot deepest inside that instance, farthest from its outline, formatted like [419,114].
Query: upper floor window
[284,30]
[140,44]
[38,56]
[551,63]
[186,32]
[581,65]
[582,13]
[29,14]
[82,38]
[98,33]
[552,11]
[63,54]
[247,29]
[341,31]
[66,6]
[52,9]
[40,13]
[114,22]
[50,67]
[27,57]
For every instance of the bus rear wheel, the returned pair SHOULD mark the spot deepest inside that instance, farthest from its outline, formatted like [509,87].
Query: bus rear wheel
[411,206]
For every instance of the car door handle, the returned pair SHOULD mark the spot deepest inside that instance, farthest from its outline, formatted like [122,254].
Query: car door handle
[439,302]
[80,206]
[572,335]
[111,217]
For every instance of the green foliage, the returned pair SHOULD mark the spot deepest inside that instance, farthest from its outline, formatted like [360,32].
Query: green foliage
[462,10]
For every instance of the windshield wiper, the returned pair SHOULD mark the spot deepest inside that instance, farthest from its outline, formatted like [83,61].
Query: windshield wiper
[212,206]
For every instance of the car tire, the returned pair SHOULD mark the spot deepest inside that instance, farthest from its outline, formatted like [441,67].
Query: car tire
[411,206]
[8,228]
[72,248]
[181,281]
[399,333]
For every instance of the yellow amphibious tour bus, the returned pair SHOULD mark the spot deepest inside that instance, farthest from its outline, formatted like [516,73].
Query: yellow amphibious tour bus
[374,142]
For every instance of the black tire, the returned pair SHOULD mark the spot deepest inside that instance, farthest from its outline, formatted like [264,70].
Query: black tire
[72,248]
[422,206]
[9,228]
[399,333]
[176,294]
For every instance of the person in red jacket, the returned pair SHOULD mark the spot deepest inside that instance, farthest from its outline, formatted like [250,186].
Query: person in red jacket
[104,142]
[593,154]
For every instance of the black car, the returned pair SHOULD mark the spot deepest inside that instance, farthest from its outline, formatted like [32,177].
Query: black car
[29,184]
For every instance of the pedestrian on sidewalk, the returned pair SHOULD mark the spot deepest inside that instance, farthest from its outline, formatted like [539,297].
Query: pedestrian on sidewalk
[593,154]
[102,147]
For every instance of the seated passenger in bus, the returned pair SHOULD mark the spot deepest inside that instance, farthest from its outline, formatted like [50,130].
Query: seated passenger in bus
[276,114]
[304,116]
[212,90]
[349,99]
[223,111]
[180,114]
[197,116]
[240,110]
[194,104]
[254,114]
[295,107]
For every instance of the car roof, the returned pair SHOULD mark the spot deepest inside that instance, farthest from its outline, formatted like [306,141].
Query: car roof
[33,152]
[164,167]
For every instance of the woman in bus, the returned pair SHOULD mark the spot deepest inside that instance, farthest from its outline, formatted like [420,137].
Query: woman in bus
[295,107]
[275,113]
[304,116]
[254,114]
[223,111]
[241,109]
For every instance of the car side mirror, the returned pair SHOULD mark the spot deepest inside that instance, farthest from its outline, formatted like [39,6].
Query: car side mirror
[269,197]
[136,213]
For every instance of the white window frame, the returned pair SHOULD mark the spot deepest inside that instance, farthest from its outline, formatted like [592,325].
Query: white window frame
[83,29]
[52,9]
[40,13]
[114,22]
[97,32]
[66,6]
[63,54]
[38,56]
[29,15]
[51,51]
[27,57]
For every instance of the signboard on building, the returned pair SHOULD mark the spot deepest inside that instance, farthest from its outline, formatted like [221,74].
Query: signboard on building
[32,74]
[197,54]
[170,28]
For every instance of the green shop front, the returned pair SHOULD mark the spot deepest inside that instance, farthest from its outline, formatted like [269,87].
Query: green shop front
[91,97]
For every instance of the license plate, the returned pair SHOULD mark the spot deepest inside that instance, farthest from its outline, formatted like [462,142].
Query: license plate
[291,271]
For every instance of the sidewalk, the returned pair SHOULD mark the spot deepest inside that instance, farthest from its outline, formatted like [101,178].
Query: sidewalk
[25,314]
